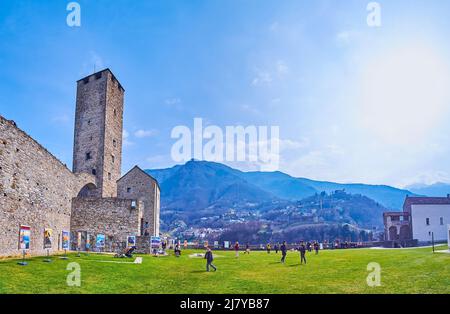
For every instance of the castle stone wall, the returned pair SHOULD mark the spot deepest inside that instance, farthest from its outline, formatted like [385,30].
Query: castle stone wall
[113,217]
[36,190]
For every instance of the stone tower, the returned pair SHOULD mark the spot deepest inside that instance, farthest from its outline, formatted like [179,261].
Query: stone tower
[98,130]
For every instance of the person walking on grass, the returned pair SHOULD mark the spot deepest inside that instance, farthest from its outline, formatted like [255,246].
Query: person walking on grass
[302,249]
[316,247]
[276,248]
[209,259]
[236,249]
[269,247]
[177,250]
[283,250]
[247,249]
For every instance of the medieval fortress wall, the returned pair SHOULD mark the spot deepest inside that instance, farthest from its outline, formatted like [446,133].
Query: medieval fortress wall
[38,191]
[114,217]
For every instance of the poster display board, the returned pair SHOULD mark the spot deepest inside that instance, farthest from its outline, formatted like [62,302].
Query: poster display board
[88,241]
[100,241]
[226,244]
[448,235]
[155,242]
[48,233]
[131,241]
[79,239]
[65,242]
[24,237]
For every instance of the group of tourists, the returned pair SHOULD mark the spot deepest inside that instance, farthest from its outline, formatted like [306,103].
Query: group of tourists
[302,248]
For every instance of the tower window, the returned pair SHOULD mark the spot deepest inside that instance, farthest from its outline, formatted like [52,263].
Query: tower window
[113,159]
[89,122]
[109,175]
[441,220]
[88,156]
[128,190]
[115,112]
[114,143]
[98,75]
[94,172]
[427,221]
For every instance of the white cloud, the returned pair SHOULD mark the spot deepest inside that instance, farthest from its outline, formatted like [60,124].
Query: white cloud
[251,110]
[262,78]
[94,63]
[282,68]
[145,133]
[125,139]
[62,119]
[404,95]
[343,37]
[266,77]
[346,37]
[174,103]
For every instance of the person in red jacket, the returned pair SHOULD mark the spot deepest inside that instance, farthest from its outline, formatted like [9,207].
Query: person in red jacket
[236,249]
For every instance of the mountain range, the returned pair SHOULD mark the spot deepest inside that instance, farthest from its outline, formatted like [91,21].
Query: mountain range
[200,184]
[438,189]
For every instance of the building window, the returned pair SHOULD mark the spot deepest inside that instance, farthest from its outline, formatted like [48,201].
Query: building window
[441,220]
[109,175]
[88,156]
[94,172]
[427,221]
[115,112]
[113,159]
[89,122]
[98,76]
[133,204]
[128,190]
[114,143]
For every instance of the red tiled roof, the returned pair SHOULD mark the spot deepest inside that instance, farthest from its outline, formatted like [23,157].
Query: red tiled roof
[424,201]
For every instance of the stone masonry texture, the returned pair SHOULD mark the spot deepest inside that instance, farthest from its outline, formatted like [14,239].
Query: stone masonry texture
[36,190]
[139,185]
[98,130]
[39,191]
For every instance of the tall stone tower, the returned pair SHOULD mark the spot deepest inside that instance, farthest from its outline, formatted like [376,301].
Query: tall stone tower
[98,130]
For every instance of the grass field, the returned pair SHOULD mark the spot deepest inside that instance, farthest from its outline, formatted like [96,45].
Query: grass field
[339,271]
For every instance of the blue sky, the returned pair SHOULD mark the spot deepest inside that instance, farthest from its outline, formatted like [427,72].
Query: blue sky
[353,103]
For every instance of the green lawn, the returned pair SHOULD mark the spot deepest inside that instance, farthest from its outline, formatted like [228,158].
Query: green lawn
[340,271]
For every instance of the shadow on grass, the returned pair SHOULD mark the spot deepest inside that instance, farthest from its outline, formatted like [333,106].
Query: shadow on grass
[296,265]
[198,271]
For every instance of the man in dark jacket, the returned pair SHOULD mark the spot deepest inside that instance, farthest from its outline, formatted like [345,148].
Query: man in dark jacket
[316,247]
[209,259]
[283,250]
[302,250]
[276,247]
